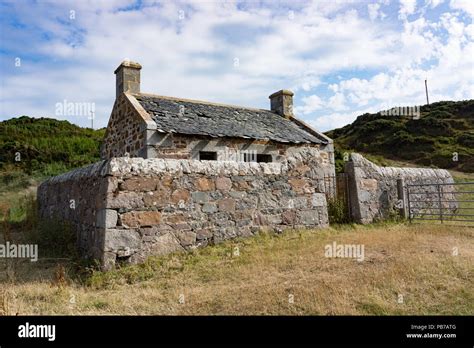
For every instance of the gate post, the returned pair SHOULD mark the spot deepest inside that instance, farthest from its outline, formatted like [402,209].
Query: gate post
[402,198]
[439,203]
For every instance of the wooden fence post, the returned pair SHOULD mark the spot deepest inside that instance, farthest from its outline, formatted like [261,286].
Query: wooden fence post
[402,198]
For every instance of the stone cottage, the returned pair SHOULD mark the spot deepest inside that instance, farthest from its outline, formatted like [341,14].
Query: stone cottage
[153,126]
[177,174]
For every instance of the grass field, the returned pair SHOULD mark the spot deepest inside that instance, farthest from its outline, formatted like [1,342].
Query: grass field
[408,269]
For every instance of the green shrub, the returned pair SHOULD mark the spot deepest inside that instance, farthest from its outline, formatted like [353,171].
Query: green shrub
[466,139]
[337,211]
[54,238]
[13,180]
[339,159]
[44,147]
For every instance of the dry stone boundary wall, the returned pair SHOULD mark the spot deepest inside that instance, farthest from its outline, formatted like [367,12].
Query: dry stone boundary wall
[125,209]
[373,189]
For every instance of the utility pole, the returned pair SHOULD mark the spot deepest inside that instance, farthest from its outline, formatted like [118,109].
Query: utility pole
[426,89]
[92,119]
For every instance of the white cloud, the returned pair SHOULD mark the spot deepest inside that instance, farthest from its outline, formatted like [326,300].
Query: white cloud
[194,56]
[334,120]
[310,104]
[407,7]
[434,3]
[337,102]
[190,58]
[404,85]
[340,119]
[373,11]
[464,5]
[306,83]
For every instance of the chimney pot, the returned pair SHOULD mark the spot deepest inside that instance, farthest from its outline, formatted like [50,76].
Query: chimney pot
[281,102]
[127,77]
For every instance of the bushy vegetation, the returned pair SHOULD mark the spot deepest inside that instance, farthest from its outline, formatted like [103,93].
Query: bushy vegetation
[337,211]
[443,130]
[20,223]
[45,147]
[30,150]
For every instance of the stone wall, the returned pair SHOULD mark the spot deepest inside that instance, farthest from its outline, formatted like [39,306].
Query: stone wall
[130,208]
[78,198]
[127,129]
[373,189]
[178,146]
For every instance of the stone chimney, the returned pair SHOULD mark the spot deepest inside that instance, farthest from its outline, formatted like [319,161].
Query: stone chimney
[281,102]
[127,77]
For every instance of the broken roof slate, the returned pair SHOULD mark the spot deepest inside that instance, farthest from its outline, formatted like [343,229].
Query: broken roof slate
[217,120]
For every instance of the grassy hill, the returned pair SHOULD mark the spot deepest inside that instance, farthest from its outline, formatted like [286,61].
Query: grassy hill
[444,128]
[46,146]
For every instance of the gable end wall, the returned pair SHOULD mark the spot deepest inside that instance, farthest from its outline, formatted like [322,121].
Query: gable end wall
[127,129]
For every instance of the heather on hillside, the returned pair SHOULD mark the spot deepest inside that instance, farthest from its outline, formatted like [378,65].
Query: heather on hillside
[443,133]
[45,147]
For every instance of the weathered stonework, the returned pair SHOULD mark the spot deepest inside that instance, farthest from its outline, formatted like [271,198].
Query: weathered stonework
[79,198]
[127,129]
[281,102]
[127,78]
[152,194]
[151,126]
[130,208]
[373,189]
[180,146]
[124,134]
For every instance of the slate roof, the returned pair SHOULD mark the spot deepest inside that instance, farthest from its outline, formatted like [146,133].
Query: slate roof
[218,120]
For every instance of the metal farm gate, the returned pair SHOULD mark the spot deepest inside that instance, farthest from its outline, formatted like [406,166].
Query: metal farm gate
[442,202]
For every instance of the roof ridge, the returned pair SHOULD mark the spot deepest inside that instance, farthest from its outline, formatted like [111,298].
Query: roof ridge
[201,102]
[289,129]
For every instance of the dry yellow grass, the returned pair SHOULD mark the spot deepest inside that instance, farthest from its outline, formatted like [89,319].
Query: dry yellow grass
[414,261]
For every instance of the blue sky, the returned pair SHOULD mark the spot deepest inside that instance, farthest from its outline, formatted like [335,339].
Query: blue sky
[341,58]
